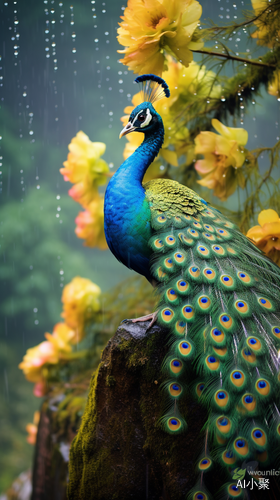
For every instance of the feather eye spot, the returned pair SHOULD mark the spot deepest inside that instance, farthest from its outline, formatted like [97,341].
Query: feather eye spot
[223,425]
[199,389]
[209,274]
[171,295]
[212,363]
[204,464]
[254,343]
[204,302]
[193,233]
[209,228]
[188,312]
[185,348]
[228,457]
[259,437]
[179,257]
[237,378]
[175,390]
[167,315]
[203,251]
[221,398]
[168,263]
[196,224]
[180,327]
[249,402]
[161,219]
[182,286]
[234,491]
[265,303]
[241,446]
[241,306]
[158,243]
[244,277]
[248,355]
[263,387]
[217,335]
[174,424]
[194,271]
[218,250]
[170,240]
[176,366]
[226,280]
[276,331]
[226,321]
[200,496]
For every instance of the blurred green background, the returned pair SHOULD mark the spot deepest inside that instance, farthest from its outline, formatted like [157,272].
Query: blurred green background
[60,74]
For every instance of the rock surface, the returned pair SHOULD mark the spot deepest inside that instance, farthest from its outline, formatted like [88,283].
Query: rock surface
[120,452]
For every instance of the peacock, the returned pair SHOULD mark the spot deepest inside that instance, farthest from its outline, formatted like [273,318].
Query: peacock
[219,300]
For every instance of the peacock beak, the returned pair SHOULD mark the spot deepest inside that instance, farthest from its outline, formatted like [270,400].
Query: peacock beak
[127,129]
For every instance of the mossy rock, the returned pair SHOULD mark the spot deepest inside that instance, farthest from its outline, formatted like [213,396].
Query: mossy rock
[120,451]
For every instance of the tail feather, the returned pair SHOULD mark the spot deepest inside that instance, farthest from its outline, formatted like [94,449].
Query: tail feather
[219,299]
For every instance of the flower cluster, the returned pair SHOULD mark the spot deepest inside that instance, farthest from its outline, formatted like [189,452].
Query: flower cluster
[223,156]
[267,23]
[86,170]
[80,304]
[183,83]
[152,28]
[90,224]
[266,235]
[48,352]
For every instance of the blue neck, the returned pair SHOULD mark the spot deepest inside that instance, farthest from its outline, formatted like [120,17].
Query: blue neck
[126,211]
[133,168]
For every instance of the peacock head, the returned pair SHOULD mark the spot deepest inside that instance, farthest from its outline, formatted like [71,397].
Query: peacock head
[144,117]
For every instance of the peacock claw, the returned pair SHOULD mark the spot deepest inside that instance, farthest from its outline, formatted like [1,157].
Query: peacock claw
[152,316]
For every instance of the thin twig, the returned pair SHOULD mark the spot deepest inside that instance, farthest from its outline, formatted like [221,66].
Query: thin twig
[235,58]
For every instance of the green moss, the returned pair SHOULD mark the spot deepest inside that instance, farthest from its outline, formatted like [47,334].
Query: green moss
[110,381]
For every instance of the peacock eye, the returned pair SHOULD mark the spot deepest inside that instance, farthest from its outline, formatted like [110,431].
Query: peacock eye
[141,118]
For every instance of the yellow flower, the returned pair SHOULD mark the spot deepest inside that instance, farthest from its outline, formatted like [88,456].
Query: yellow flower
[81,302]
[267,24]
[274,86]
[61,338]
[84,168]
[32,429]
[267,235]
[151,27]
[90,224]
[35,358]
[48,352]
[223,156]
[182,82]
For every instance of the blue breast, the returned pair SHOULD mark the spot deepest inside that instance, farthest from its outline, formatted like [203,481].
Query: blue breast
[127,224]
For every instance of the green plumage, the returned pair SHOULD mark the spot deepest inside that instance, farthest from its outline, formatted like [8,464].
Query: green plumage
[219,298]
